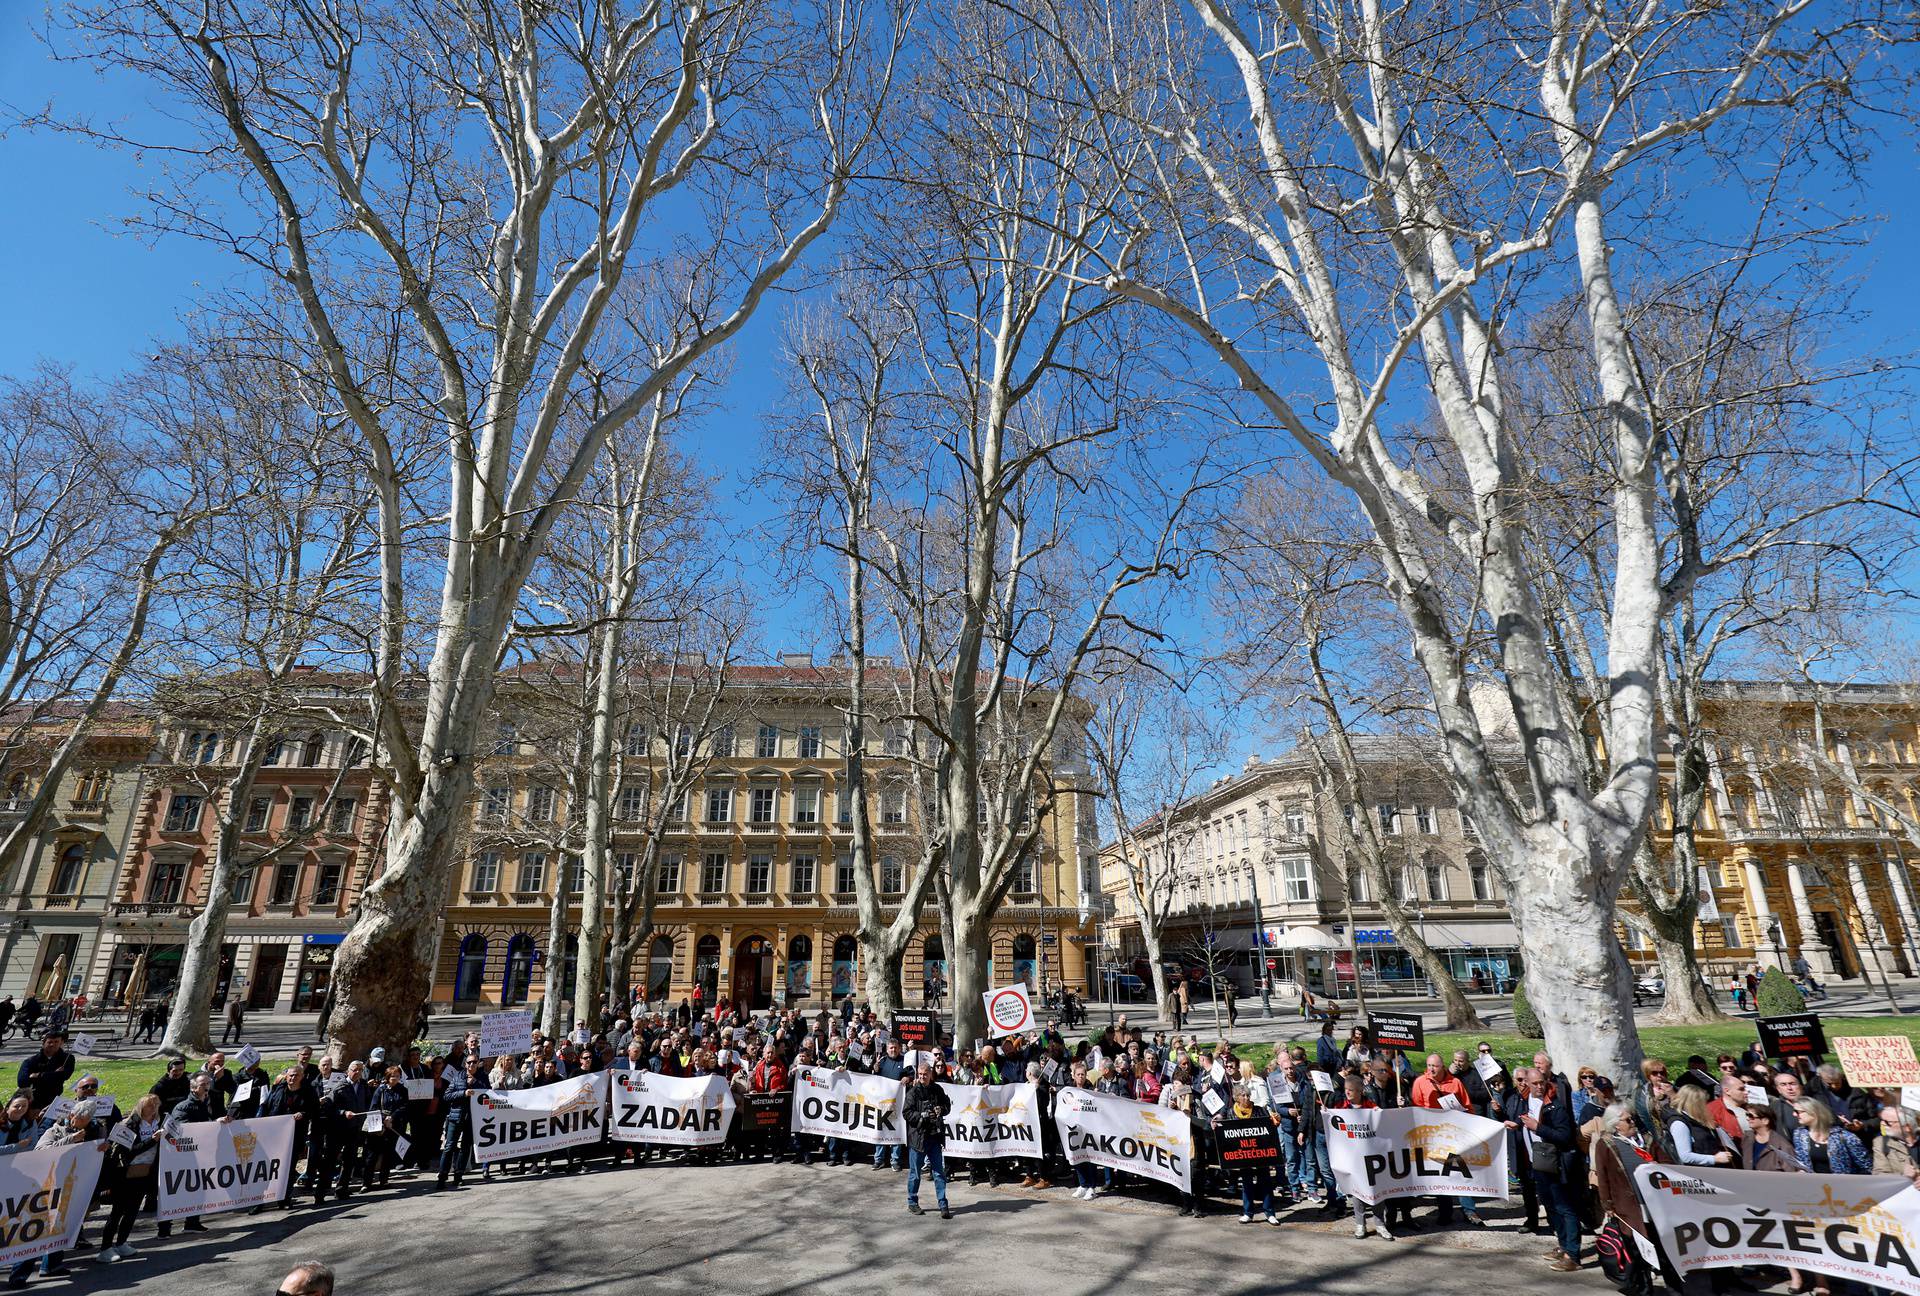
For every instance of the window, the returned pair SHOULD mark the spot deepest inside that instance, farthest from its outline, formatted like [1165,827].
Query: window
[806,805]
[576,875]
[66,875]
[1023,877]
[168,879]
[357,752]
[896,739]
[683,741]
[639,741]
[240,890]
[257,814]
[471,968]
[183,813]
[843,874]
[1356,885]
[533,872]
[276,750]
[766,743]
[624,865]
[1296,878]
[1730,932]
[1423,819]
[519,971]
[1468,828]
[892,880]
[759,874]
[313,749]
[1436,881]
[93,787]
[1482,885]
[669,883]
[809,742]
[845,800]
[1388,818]
[209,749]
[893,806]
[723,741]
[719,804]
[677,812]
[713,873]
[632,803]
[493,806]
[486,872]
[300,812]
[1406,888]
[540,802]
[760,803]
[286,883]
[1296,815]
[802,869]
[326,885]
[506,739]
[341,814]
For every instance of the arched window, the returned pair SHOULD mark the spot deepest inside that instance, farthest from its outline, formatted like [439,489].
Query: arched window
[471,968]
[1026,965]
[310,753]
[799,967]
[706,965]
[660,968]
[519,974]
[569,963]
[933,962]
[845,961]
[66,877]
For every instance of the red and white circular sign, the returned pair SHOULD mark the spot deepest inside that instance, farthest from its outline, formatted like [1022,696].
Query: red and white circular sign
[1009,1010]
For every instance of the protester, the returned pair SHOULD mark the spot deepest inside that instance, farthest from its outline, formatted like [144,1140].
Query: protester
[1823,1146]
[308,1278]
[1553,1157]
[1896,1148]
[135,1183]
[923,1115]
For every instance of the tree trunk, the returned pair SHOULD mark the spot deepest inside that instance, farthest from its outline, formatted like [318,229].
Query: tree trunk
[1150,937]
[590,979]
[384,970]
[1666,918]
[188,1028]
[884,960]
[553,1004]
[971,960]
[1577,977]
[619,959]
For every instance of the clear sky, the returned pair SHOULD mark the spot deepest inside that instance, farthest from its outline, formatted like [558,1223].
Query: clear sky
[82,291]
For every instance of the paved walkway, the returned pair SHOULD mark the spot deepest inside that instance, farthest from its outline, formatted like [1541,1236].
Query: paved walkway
[762,1228]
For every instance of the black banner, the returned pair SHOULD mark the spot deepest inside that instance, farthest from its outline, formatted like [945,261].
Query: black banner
[1403,1031]
[1247,1143]
[916,1029]
[1798,1035]
[764,1111]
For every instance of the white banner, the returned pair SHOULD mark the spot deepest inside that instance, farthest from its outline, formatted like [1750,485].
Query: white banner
[511,1123]
[1009,1010]
[993,1121]
[1860,1227]
[689,1111]
[209,1166]
[44,1198]
[506,1032]
[1386,1154]
[1100,1129]
[848,1105]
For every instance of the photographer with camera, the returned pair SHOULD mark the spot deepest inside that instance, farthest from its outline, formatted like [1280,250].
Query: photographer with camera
[924,1111]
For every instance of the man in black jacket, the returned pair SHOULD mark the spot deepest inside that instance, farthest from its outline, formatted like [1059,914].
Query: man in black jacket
[294,1097]
[197,1106]
[924,1113]
[47,1072]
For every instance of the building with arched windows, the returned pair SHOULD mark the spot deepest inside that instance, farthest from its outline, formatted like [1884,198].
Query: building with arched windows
[753,863]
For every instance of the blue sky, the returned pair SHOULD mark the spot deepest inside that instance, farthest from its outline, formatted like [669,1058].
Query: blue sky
[82,291]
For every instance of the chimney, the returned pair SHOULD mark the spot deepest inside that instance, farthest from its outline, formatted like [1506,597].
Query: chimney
[796,659]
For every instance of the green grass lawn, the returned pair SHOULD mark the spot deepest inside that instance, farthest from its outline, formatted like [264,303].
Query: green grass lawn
[126,1080]
[1672,1044]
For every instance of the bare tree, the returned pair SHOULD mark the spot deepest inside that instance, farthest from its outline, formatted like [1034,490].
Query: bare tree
[1148,748]
[1472,155]
[576,133]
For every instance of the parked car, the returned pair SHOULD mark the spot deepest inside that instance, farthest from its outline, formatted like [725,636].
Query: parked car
[1127,987]
[1651,988]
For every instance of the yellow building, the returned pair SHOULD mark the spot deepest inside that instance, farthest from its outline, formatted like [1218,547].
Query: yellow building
[756,884]
[1798,862]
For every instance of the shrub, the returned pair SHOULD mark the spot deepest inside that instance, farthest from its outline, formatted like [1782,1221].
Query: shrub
[1779,995]
[1524,1022]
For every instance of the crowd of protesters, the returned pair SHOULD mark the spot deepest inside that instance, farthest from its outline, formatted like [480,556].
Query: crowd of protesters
[1572,1143]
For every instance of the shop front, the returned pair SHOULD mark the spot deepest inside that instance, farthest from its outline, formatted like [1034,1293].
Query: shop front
[317,952]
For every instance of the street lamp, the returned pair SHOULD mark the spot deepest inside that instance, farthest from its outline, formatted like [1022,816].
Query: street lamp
[1260,941]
